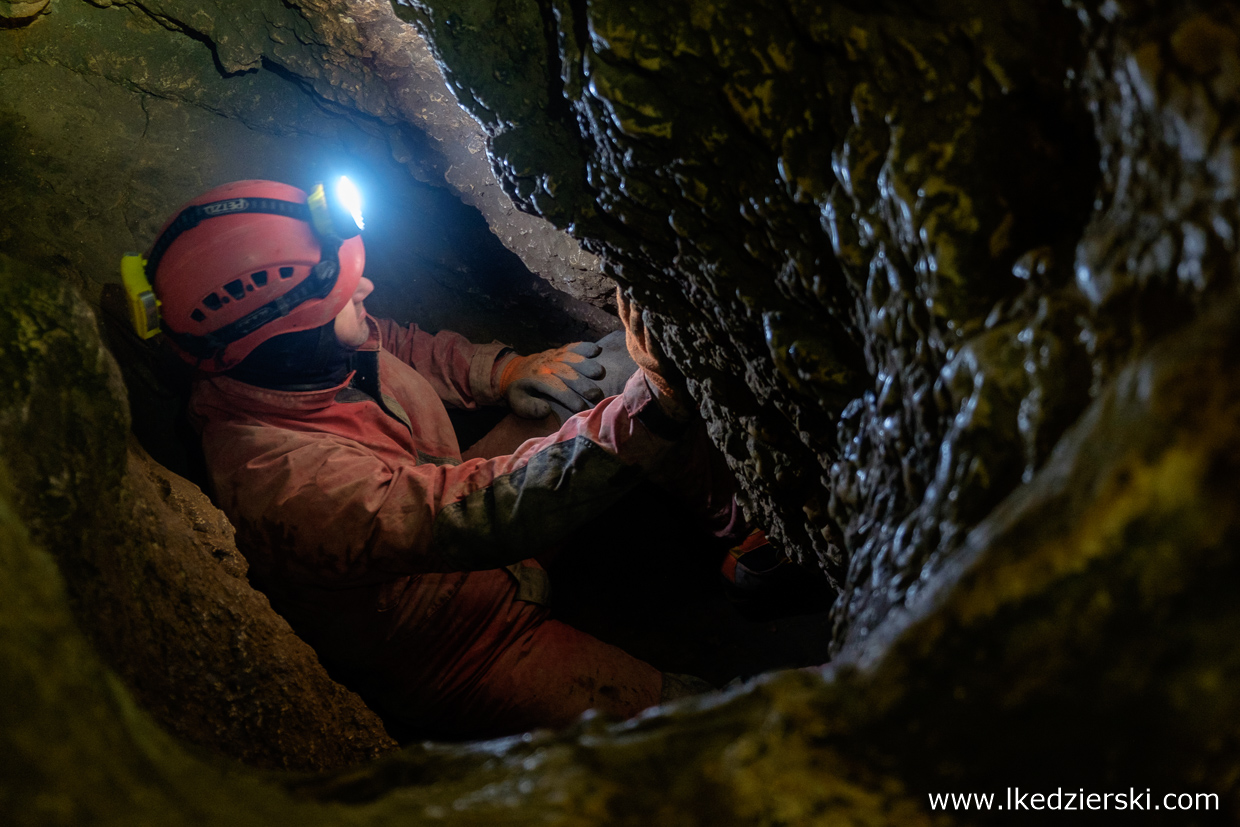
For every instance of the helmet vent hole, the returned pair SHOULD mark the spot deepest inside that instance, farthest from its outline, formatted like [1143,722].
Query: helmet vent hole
[286,272]
[198,315]
[212,302]
[235,288]
[259,278]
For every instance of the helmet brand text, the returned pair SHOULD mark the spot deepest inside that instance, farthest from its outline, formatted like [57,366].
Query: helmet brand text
[223,207]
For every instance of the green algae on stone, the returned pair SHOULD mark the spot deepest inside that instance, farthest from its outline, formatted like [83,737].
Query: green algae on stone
[63,420]
[22,10]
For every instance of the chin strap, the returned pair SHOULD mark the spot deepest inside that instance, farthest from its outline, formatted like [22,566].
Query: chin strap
[305,360]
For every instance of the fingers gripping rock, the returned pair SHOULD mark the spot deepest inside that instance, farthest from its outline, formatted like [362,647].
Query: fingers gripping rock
[664,379]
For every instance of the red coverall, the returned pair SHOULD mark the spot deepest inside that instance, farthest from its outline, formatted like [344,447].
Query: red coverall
[387,553]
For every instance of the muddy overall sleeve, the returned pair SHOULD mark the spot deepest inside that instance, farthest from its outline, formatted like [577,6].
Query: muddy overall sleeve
[330,510]
[460,371]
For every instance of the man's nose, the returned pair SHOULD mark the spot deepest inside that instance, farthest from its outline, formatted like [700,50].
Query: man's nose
[364,288]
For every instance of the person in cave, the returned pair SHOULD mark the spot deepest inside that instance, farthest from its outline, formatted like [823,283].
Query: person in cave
[412,567]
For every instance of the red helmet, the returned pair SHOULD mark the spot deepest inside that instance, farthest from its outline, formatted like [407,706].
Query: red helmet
[242,263]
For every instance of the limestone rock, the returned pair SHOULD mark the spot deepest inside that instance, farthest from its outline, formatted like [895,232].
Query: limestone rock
[878,222]
[234,677]
[149,562]
[14,10]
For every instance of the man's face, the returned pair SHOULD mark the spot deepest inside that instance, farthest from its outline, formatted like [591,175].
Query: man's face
[351,328]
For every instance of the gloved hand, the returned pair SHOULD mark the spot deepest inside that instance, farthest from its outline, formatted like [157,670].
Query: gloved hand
[664,379]
[565,374]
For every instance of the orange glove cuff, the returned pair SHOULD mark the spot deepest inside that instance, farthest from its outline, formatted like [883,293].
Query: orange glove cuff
[509,373]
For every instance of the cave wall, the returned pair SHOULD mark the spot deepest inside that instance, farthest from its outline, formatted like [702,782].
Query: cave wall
[154,574]
[924,233]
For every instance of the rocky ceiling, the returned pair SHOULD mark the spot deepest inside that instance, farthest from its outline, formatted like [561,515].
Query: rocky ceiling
[954,284]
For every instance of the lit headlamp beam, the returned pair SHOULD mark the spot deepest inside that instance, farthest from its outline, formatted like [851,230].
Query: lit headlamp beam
[350,199]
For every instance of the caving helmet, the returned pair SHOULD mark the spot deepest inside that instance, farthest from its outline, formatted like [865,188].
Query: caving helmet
[244,262]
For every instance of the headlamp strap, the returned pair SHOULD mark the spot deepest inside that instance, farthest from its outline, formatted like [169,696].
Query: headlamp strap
[191,217]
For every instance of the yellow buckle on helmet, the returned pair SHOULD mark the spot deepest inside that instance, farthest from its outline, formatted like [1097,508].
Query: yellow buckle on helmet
[143,306]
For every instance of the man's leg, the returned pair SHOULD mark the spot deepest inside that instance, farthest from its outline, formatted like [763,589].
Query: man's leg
[508,435]
[484,663]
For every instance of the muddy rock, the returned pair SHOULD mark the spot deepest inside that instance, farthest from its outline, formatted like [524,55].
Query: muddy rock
[20,12]
[149,563]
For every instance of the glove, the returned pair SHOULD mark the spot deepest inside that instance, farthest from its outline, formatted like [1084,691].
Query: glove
[665,381]
[565,374]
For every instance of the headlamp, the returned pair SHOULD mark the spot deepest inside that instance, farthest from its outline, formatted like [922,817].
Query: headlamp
[338,215]
[351,200]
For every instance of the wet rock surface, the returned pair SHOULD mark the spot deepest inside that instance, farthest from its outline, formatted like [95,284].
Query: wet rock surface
[819,196]
[876,222]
